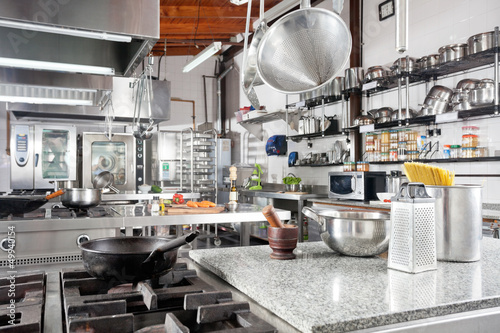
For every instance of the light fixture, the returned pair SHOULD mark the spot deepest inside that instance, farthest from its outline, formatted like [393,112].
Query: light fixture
[202,56]
[238,2]
[65,31]
[55,66]
[42,100]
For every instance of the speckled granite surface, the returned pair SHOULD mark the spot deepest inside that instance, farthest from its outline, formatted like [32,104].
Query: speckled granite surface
[322,291]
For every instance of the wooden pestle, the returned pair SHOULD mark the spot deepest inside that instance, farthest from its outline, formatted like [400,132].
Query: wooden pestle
[272,216]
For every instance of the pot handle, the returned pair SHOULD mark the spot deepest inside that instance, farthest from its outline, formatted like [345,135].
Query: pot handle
[55,194]
[310,213]
[172,245]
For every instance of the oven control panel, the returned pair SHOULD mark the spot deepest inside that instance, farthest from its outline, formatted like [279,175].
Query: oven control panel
[139,157]
[21,144]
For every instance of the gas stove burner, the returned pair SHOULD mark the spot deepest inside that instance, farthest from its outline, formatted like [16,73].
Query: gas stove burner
[182,301]
[63,212]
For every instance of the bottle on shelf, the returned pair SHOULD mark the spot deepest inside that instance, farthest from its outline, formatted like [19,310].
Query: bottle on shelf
[305,230]
[155,204]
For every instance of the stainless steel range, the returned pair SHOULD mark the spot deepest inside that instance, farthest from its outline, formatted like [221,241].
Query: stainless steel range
[183,302]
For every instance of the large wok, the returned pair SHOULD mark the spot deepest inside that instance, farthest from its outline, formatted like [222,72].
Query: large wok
[131,259]
[20,204]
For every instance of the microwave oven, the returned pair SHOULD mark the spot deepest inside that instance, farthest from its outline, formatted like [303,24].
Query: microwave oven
[356,185]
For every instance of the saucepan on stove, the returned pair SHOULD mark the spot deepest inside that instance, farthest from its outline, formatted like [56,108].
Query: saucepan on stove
[81,198]
[20,204]
[131,259]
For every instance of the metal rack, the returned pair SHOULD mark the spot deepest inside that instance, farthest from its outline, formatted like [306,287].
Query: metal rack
[198,163]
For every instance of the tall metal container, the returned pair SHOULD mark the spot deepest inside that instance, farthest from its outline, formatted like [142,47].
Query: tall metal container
[458,222]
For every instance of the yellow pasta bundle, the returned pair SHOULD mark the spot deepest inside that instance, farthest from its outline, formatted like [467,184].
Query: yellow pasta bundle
[428,174]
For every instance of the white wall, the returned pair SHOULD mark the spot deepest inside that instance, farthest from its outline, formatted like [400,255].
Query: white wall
[432,24]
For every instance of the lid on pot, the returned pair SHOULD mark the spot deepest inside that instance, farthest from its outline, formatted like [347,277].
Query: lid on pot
[355,214]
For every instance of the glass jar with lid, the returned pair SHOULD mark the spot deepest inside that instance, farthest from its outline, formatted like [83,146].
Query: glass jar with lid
[470,130]
[362,166]
[412,155]
[384,148]
[384,157]
[470,141]
[455,151]
[446,151]
[468,152]
[481,151]
[349,166]
[393,155]
[384,137]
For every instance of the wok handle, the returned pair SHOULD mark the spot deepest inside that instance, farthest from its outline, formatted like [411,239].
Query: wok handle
[55,194]
[272,217]
[178,242]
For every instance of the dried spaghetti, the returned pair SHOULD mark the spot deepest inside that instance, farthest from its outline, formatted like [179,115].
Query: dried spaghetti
[428,174]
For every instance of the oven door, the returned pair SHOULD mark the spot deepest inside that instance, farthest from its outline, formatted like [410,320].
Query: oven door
[116,156]
[345,185]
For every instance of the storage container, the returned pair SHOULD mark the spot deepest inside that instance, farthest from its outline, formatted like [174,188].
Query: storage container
[362,166]
[468,153]
[446,151]
[481,151]
[349,166]
[470,141]
[384,137]
[384,157]
[458,222]
[455,151]
[412,155]
[470,130]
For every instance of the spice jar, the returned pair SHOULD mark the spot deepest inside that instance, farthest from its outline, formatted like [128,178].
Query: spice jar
[412,155]
[362,166]
[393,155]
[393,135]
[411,145]
[349,166]
[384,157]
[446,151]
[384,148]
[411,135]
[384,137]
[468,152]
[402,151]
[455,151]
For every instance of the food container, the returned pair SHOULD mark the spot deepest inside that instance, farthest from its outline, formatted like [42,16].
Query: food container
[384,137]
[402,151]
[411,135]
[384,148]
[468,152]
[446,151]
[384,157]
[362,166]
[349,166]
[470,130]
[452,52]
[470,141]
[455,151]
[458,222]
[481,151]
[411,145]
[393,155]
[412,155]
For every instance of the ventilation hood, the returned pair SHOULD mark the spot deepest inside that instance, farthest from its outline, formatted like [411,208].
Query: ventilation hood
[106,37]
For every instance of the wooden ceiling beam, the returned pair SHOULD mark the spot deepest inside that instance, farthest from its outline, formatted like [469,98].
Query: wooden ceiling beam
[228,12]
[203,28]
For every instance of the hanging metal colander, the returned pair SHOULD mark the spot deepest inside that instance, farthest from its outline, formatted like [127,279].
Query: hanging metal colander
[303,50]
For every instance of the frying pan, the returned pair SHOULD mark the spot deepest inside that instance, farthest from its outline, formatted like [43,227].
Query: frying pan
[20,204]
[131,259]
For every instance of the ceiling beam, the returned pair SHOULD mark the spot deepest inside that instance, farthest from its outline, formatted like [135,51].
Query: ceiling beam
[203,27]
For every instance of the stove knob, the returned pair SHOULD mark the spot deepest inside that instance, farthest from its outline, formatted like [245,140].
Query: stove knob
[4,244]
[82,239]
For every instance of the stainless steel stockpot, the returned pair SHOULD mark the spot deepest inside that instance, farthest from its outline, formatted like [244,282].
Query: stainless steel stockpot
[481,42]
[483,94]
[353,78]
[428,61]
[334,87]
[395,114]
[406,66]
[452,52]
[356,233]
[376,73]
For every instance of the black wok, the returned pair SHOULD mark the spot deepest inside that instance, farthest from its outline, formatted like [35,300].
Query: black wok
[20,204]
[131,259]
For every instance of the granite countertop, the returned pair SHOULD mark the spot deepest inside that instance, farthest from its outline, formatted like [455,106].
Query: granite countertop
[322,291]
[490,211]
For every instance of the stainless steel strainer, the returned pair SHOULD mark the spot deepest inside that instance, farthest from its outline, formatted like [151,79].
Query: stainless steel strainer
[303,50]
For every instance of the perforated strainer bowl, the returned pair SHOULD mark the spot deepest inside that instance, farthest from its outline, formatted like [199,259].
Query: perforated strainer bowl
[303,50]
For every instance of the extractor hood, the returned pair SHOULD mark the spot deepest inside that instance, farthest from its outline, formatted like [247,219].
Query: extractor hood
[107,37]
[114,96]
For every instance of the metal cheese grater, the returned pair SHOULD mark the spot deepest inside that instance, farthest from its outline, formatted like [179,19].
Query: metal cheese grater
[412,247]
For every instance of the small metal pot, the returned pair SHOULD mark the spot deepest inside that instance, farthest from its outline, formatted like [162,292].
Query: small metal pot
[81,197]
[483,94]
[363,120]
[404,115]
[353,78]
[440,92]
[383,112]
[406,66]
[376,73]
[338,86]
[467,84]
[428,61]
[481,42]
[433,106]
[452,52]
[381,120]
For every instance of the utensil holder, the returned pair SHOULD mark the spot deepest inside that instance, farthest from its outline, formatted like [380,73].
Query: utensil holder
[412,247]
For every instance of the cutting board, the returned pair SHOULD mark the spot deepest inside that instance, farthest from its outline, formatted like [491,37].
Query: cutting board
[183,209]
[298,193]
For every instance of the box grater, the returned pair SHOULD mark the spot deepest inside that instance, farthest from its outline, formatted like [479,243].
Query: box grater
[412,247]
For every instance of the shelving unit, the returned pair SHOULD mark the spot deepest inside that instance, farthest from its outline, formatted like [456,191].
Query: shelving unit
[198,167]
[254,125]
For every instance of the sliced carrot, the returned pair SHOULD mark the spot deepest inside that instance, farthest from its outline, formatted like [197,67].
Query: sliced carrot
[203,205]
[209,203]
[192,204]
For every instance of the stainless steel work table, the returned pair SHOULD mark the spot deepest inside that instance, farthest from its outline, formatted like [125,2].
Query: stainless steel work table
[138,215]
[299,198]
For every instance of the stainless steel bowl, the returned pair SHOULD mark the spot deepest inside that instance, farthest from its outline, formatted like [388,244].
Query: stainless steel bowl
[395,114]
[353,233]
